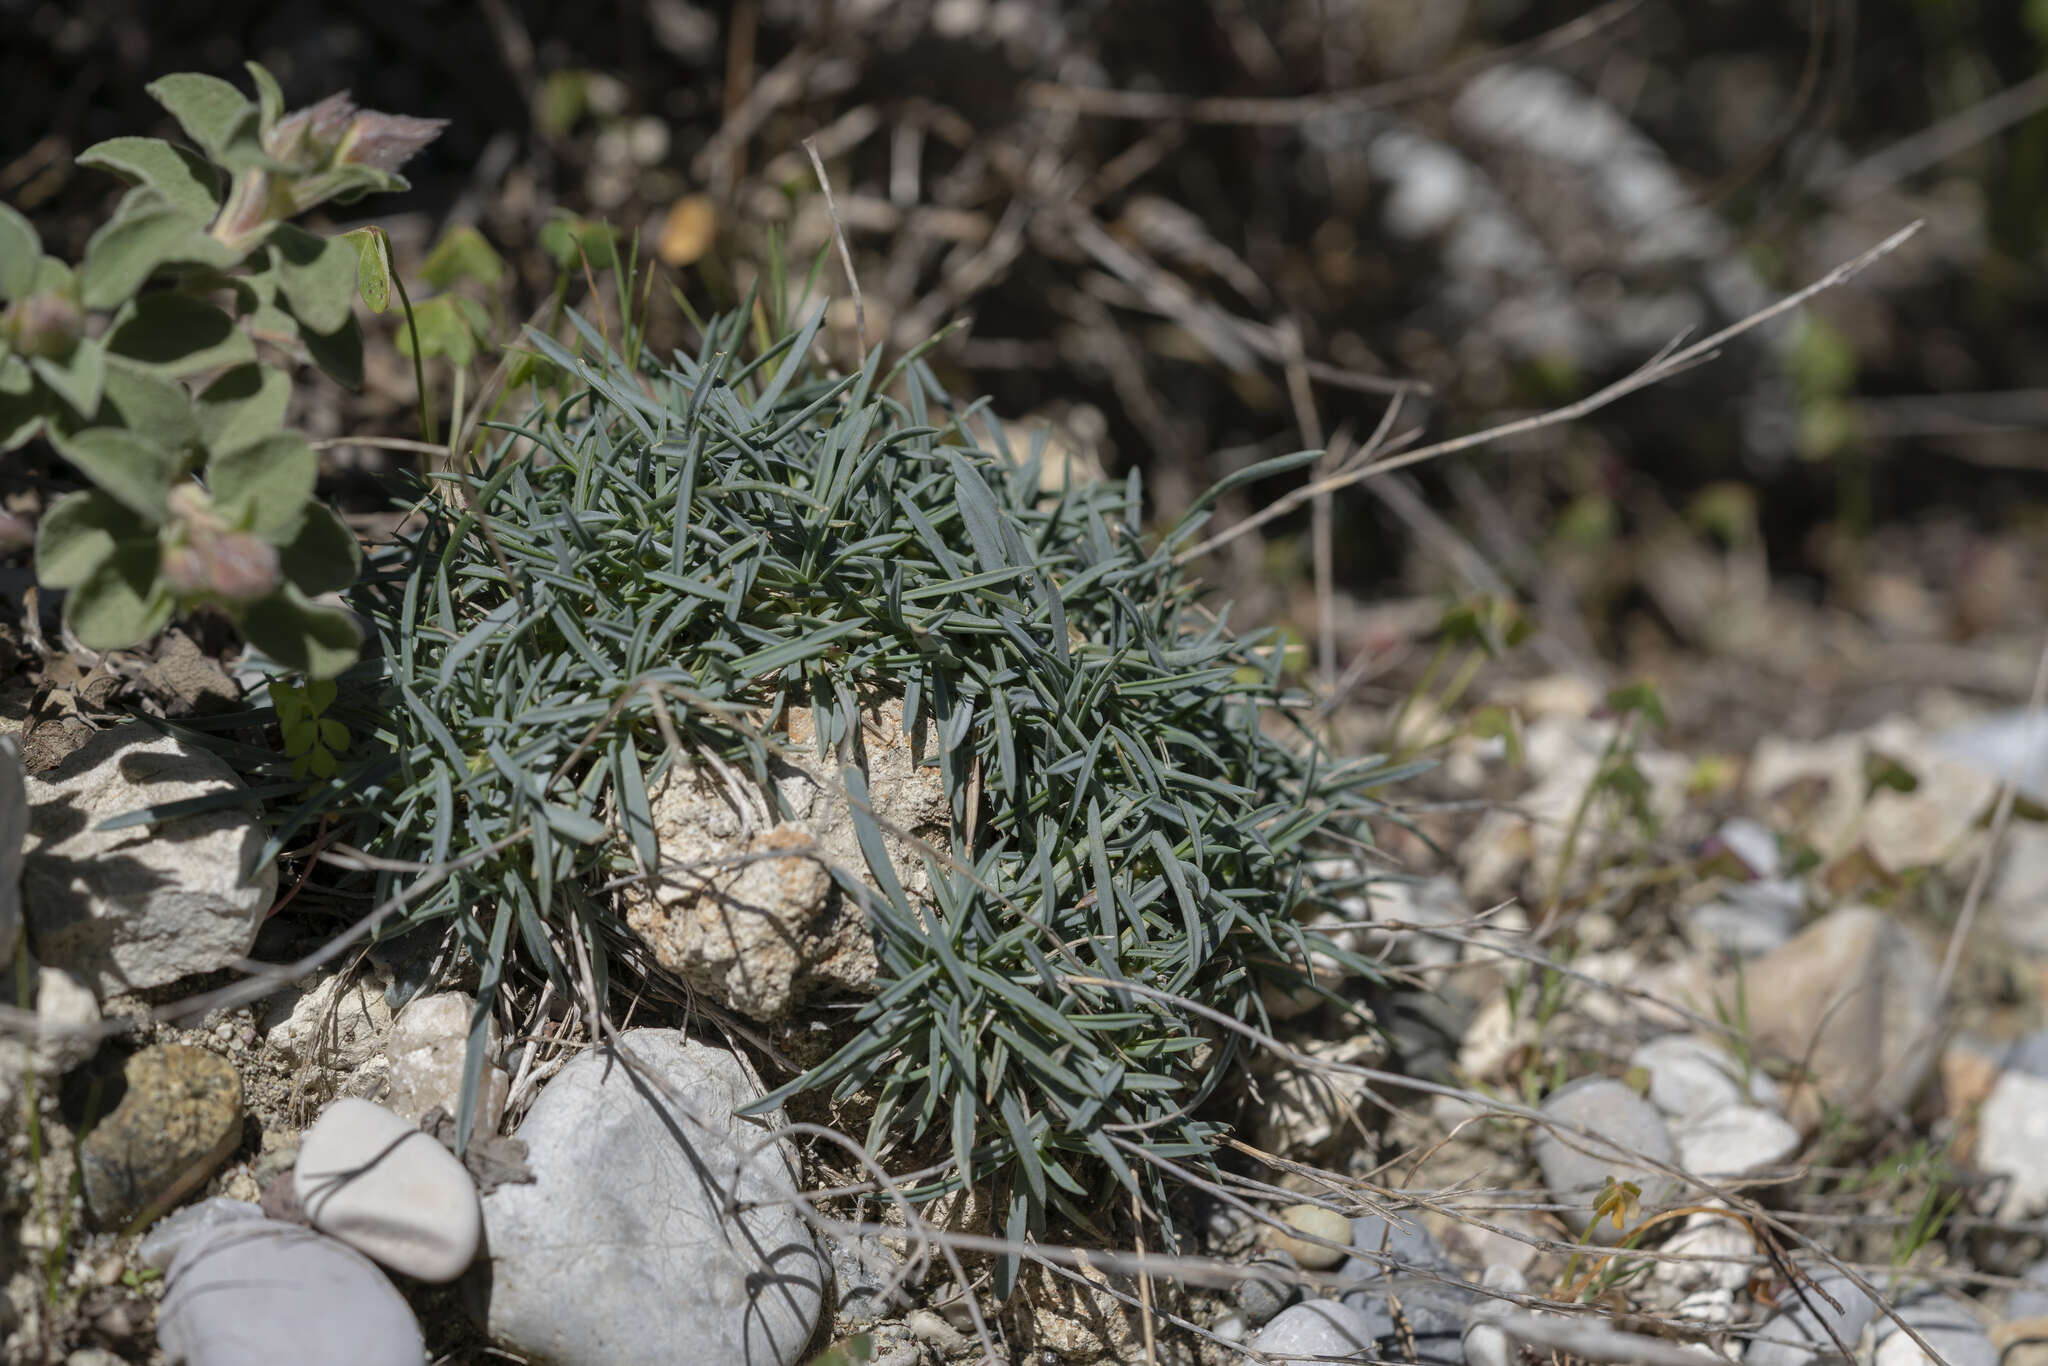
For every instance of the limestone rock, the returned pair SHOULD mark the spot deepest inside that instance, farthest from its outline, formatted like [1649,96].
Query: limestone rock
[145,905]
[1402,1242]
[1808,1325]
[1819,791]
[388,1190]
[66,1012]
[745,909]
[428,1050]
[320,1021]
[1853,997]
[1949,1327]
[1564,755]
[2016,907]
[243,1290]
[178,1119]
[620,1249]
[2009,744]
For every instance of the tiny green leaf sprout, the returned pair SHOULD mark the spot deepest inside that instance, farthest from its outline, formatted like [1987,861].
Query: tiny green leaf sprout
[158,368]
[313,741]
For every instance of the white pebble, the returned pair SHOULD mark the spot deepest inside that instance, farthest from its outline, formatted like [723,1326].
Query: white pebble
[388,1190]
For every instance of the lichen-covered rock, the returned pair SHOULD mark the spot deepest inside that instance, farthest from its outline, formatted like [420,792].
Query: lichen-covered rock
[744,908]
[178,1119]
[145,905]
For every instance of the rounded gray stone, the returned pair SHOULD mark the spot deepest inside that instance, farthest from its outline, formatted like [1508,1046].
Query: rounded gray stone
[1575,1168]
[1403,1241]
[1949,1326]
[620,1249]
[243,1290]
[1260,1297]
[1320,1328]
[1801,1335]
[1435,1326]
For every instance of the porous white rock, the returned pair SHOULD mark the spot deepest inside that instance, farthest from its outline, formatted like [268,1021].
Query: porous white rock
[429,1048]
[388,1190]
[744,908]
[621,1249]
[66,1012]
[148,904]
[320,1020]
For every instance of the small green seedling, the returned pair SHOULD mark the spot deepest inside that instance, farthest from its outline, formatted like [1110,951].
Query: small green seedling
[313,740]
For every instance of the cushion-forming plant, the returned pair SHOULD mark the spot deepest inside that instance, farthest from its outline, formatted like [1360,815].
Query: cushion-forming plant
[659,562]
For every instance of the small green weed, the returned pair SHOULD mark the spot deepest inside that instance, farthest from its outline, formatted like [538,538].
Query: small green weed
[313,740]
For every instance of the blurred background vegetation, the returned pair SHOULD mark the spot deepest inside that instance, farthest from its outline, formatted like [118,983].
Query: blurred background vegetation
[1185,235]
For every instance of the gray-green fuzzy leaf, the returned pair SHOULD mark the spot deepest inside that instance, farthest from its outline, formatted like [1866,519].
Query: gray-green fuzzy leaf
[126,464]
[19,249]
[316,640]
[243,406]
[21,415]
[145,234]
[173,334]
[339,353]
[79,533]
[213,113]
[79,378]
[158,407]
[122,601]
[322,555]
[316,275]
[263,487]
[185,181]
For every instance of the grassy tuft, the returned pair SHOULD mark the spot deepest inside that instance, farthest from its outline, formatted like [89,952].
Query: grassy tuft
[698,546]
